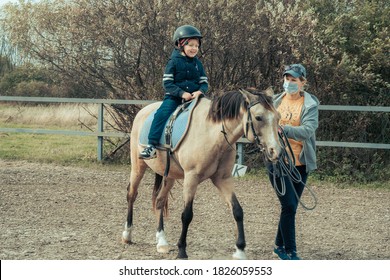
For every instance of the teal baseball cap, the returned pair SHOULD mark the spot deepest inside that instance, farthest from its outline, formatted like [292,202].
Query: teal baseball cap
[295,70]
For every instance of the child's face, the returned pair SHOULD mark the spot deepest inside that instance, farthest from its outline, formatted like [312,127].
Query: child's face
[192,48]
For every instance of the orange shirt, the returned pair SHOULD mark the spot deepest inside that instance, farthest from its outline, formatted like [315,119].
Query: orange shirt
[290,110]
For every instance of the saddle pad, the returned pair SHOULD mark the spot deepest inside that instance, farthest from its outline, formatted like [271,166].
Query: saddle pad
[179,126]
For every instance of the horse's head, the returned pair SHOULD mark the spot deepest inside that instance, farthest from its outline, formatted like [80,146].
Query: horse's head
[261,122]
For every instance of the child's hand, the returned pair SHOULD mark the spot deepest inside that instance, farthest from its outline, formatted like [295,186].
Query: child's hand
[195,94]
[187,96]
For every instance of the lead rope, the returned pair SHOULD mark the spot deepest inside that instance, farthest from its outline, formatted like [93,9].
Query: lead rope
[285,166]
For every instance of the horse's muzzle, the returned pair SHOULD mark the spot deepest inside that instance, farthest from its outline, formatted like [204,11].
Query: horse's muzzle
[272,153]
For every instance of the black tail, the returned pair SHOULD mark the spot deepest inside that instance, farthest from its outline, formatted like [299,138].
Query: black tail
[158,183]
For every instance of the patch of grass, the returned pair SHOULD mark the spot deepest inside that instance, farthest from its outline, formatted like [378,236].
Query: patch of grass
[48,148]
[63,115]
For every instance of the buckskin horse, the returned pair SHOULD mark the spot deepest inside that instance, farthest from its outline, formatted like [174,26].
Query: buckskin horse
[205,152]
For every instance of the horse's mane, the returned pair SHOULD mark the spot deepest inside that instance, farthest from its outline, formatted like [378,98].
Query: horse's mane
[228,105]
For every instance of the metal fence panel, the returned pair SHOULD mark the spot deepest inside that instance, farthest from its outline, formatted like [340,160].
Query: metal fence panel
[100,133]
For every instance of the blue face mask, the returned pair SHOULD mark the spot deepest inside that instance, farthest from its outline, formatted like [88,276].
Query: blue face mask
[290,87]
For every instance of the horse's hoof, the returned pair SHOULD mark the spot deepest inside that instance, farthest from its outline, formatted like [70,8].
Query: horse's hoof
[162,244]
[126,237]
[182,255]
[239,255]
[182,258]
[128,242]
[163,249]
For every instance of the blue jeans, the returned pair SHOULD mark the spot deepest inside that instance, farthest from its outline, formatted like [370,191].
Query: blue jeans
[285,235]
[169,105]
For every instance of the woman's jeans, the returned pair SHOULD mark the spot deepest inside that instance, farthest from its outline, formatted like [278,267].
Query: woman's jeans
[289,203]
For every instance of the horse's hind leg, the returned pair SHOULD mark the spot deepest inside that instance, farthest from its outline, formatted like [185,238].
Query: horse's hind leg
[225,185]
[160,198]
[137,172]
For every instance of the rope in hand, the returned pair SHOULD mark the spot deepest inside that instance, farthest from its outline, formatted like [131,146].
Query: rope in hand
[285,167]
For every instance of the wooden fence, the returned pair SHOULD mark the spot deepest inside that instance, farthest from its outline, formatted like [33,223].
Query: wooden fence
[100,134]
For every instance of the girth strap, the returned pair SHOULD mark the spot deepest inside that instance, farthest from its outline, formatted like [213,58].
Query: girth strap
[168,134]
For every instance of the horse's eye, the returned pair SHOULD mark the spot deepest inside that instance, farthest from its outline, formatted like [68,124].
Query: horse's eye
[258,118]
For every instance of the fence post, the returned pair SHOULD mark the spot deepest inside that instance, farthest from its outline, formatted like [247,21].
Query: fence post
[240,153]
[100,129]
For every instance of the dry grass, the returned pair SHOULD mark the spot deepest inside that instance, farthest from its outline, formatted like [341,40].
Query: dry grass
[62,149]
[66,115]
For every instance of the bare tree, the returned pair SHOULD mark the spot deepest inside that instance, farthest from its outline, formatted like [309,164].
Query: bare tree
[120,47]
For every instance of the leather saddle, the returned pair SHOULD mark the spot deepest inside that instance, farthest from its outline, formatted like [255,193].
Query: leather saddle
[175,128]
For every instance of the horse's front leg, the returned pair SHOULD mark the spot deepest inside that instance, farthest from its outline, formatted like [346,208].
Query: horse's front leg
[225,185]
[238,215]
[189,189]
[186,218]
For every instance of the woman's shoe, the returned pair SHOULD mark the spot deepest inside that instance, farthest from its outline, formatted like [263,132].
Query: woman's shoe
[293,256]
[281,253]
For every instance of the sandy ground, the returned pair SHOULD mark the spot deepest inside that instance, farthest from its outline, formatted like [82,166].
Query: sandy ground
[56,212]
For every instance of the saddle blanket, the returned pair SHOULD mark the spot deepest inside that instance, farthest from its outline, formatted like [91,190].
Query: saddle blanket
[180,126]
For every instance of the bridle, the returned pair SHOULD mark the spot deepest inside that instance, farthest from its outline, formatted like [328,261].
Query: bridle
[249,123]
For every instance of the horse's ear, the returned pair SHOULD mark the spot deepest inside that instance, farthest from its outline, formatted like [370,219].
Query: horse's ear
[269,92]
[246,95]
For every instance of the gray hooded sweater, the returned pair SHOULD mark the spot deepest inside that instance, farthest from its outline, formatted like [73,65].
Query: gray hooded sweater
[305,132]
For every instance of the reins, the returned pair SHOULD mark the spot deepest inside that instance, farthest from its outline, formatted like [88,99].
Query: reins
[285,167]
[226,139]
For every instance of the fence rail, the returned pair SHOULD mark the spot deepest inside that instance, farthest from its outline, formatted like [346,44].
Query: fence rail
[100,134]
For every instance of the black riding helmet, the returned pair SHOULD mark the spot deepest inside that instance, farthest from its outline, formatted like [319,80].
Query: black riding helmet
[186,32]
